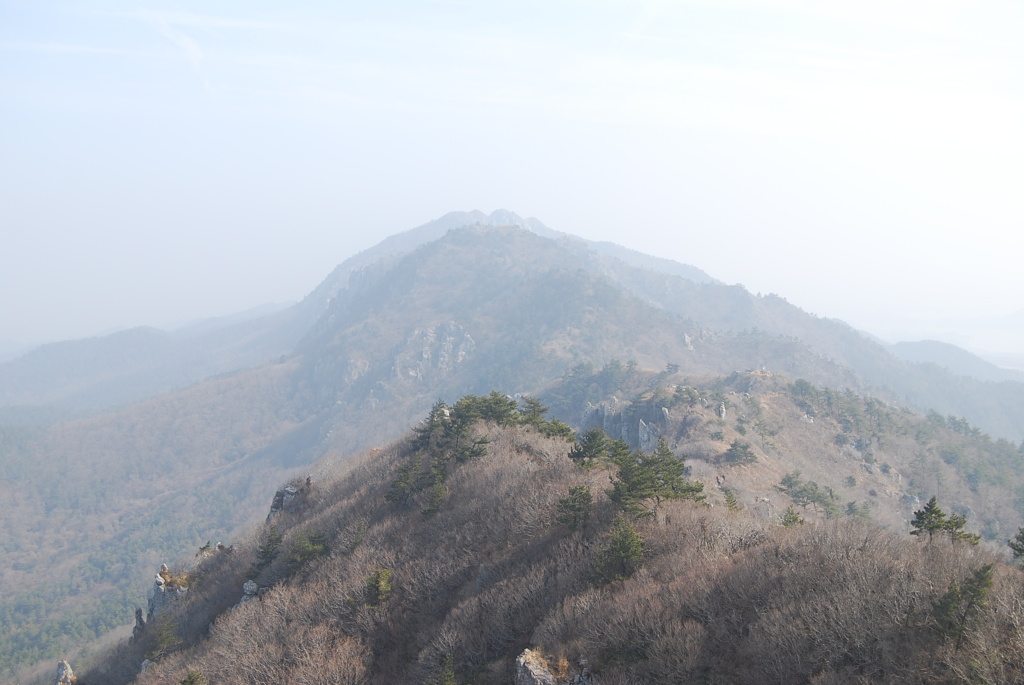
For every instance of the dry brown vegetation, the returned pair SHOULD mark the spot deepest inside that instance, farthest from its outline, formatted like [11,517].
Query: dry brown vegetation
[720,596]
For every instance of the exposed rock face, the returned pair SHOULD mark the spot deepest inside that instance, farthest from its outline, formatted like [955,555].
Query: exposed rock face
[648,435]
[164,594]
[433,352]
[531,670]
[140,625]
[65,676]
[249,591]
[282,498]
[637,427]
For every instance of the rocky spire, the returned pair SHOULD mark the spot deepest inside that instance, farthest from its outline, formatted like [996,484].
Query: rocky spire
[65,676]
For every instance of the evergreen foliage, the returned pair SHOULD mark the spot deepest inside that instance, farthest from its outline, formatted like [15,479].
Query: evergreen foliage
[305,547]
[432,426]
[929,520]
[791,518]
[574,510]
[164,638]
[955,529]
[269,547]
[855,510]
[621,558]
[447,675]
[1017,544]
[807,493]
[590,447]
[959,605]
[740,453]
[406,483]
[644,480]
[378,587]
[532,412]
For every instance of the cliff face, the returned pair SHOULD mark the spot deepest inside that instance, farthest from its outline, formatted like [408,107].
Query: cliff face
[65,676]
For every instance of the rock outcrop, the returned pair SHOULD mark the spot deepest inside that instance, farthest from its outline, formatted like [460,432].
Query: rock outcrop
[250,591]
[166,589]
[65,676]
[140,625]
[282,498]
[531,669]
[638,427]
[433,352]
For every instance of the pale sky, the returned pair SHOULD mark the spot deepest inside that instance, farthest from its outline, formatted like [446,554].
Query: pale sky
[166,161]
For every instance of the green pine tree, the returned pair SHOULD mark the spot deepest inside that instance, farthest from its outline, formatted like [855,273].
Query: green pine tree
[645,480]
[532,413]
[790,518]
[378,587]
[590,447]
[954,526]
[930,520]
[621,558]
[1017,544]
[955,609]
[447,675]
[740,453]
[269,548]
[574,510]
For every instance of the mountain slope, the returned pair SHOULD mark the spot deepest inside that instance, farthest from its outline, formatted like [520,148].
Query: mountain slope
[954,359]
[357,586]
[480,308]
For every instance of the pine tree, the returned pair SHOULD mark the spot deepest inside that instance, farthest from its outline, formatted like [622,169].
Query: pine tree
[790,518]
[378,587]
[620,559]
[961,603]
[269,548]
[406,484]
[1017,544]
[574,510]
[954,526]
[435,421]
[532,413]
[740,453]
[644,480]
[447,676]
[930,520]
[590,447]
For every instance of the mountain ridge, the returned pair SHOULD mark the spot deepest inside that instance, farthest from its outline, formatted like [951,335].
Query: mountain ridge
[478,309]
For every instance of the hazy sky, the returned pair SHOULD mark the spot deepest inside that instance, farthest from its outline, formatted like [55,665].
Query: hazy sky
[163,161]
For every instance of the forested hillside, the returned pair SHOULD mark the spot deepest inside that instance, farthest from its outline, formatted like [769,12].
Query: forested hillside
[488,531]
[95,504]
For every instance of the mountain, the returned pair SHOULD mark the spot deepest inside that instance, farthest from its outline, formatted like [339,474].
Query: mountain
[74,378]
[954,359]
[513,561]
[94,504]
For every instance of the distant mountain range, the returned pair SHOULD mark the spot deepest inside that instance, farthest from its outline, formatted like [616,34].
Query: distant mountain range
[139,445]
[955,360]
[76,378]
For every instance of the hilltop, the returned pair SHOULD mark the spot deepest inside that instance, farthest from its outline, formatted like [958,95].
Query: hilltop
[485,547]
[94,504]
